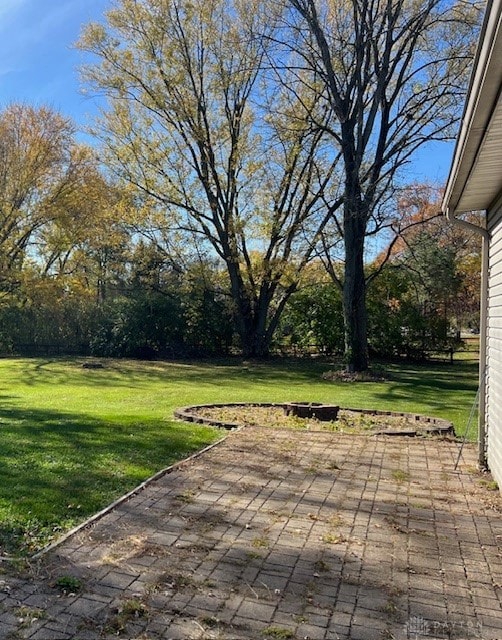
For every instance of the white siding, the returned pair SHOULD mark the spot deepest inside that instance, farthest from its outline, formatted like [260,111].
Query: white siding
[494,346]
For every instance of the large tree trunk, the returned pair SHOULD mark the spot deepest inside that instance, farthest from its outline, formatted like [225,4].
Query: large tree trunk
[354,294]
[255,346]
[255,340]
[250,316]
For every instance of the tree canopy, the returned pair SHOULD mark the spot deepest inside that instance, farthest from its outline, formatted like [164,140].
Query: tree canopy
[41,171]
[392,74]
[199,123]
[265,130]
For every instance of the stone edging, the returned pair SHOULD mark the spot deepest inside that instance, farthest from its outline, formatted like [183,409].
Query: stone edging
[97,516]
[438,426]
[189,414]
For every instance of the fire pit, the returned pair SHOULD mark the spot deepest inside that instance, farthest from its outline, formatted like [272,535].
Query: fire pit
[322,412]
[297,415]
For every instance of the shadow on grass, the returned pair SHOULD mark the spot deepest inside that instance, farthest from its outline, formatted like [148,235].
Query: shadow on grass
[434,389]
[431,388]
[58,468]
[135,373]
[445,386]
[434,377]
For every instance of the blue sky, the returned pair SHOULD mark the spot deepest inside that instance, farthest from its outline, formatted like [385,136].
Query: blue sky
[38,65]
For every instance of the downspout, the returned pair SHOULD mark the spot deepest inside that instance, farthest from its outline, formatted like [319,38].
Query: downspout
[483,325]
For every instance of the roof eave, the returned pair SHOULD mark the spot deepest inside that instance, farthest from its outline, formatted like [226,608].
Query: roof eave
[482,99]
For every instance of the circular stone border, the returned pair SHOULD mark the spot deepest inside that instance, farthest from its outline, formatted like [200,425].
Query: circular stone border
[438,426]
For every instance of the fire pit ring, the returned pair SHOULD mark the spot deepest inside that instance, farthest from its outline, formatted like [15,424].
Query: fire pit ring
[317,410]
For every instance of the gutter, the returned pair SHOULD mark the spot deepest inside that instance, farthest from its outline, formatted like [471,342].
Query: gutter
[483,325]
[482,96]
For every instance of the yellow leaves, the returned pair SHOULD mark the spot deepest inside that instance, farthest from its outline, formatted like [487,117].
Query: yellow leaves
[39,168]
[394,304]
[52,194]
[94,36]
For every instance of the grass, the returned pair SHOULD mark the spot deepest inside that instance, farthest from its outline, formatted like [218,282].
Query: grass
[279,633]
[68,584]
[73,439]
[127,611]
[400,476]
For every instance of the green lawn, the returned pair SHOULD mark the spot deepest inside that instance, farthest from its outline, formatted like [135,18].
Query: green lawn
[73,439]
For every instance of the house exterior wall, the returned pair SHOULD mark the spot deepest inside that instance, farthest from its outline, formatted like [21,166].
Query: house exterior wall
[494,345]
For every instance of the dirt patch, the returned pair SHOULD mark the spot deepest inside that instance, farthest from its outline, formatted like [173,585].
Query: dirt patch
[342,375]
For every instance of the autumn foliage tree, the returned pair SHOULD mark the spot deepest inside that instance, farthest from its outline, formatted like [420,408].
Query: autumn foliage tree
[41,169]
[428,287]
[198,123]
[444,261]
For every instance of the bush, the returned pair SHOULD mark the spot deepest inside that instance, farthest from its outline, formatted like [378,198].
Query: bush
[313,319]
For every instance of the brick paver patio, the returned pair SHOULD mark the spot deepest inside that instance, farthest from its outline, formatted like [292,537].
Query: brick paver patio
[281,534]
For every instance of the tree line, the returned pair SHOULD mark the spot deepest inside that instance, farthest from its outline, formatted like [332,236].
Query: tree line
[246,153]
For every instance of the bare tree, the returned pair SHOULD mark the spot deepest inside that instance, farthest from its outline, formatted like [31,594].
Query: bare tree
[393,73]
